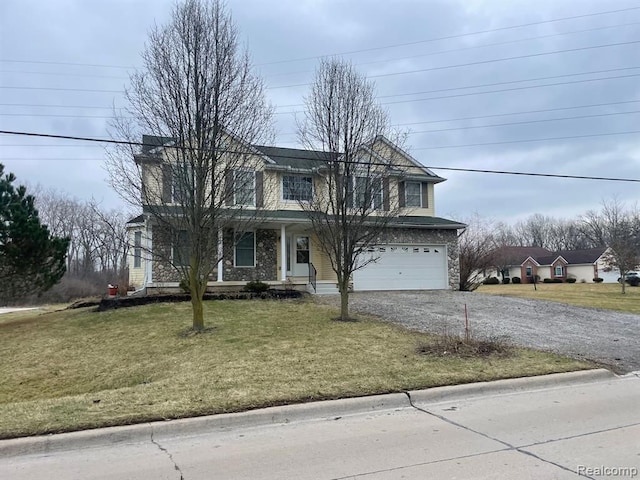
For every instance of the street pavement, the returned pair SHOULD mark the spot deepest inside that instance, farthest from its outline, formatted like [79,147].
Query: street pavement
[557,432]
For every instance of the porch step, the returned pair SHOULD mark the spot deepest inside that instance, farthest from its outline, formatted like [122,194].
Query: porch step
[324,287]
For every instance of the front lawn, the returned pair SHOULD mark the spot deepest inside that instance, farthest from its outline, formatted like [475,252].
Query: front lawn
[78,369]
[607,296]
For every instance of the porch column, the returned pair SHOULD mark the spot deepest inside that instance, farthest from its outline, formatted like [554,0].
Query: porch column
[220,255]
[149,255]
[283,253]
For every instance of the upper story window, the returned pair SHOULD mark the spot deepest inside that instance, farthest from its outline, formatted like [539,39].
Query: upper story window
[413,194]
[297,188]
[245,187]
[367,192]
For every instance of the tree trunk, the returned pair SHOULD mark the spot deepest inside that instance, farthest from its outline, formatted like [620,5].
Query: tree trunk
[344,301]
[197,293]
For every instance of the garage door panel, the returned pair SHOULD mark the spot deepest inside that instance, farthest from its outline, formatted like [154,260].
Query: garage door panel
[403,267]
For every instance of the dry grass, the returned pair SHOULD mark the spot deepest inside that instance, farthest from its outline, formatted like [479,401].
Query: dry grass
[607,296]
[79,369]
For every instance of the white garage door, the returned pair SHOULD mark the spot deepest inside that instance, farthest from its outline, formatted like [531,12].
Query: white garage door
[403,267]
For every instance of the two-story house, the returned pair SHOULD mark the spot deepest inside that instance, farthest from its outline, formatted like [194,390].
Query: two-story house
[418,250]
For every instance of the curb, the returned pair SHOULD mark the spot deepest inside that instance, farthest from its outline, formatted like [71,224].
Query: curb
[511,385]
[47,444]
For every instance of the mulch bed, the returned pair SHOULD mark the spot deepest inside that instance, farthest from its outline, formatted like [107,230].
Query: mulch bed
[124,302]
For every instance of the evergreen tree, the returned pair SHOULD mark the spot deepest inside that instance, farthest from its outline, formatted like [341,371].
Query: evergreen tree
[31,259]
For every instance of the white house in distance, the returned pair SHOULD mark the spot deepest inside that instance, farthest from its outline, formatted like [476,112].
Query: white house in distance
[417,251]
[528,262]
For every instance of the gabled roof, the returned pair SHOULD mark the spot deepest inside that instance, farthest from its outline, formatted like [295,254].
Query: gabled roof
[517,255]
[542,256]
[575,257]
[295,158]
[138,219]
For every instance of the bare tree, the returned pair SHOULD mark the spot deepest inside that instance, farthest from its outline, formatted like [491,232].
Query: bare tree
[198,98]
[477,245]
[351,204]
[620,230]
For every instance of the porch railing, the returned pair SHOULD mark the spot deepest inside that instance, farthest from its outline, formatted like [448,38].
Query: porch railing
[313,273]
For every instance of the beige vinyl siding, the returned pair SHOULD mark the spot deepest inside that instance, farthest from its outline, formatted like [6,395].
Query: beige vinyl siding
[136,274]
[581,272]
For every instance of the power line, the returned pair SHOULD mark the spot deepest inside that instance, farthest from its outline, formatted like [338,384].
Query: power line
[56,106]
[448,37]
[526,122]
[480,62]
[522,112]
[586,80]
[532,174]
[13,87]
[530,140]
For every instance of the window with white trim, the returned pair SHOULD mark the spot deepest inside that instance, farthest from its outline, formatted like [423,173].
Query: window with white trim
[559,271]
[298,188]
[529,271]
[245,254]
[413,194]
[245,187]
[367,193]
[137,249]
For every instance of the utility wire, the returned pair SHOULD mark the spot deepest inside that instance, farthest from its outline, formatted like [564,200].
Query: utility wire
[442,67]
[448,37]
[512,89]
[480,62]
[460,49]
[257,152]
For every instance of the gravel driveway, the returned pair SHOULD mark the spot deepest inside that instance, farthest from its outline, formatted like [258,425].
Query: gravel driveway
[602,335]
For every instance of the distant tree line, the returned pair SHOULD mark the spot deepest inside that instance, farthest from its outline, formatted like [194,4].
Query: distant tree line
[98,244]
[614,225]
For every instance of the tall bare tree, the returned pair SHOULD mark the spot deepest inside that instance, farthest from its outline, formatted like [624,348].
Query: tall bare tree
[619,228]
[351,205]
[198,98]
[477,246]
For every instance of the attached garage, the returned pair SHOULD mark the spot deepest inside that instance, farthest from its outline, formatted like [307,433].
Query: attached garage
[403,267]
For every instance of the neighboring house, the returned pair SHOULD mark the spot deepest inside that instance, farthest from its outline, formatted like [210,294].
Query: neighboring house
[528,262]
[418,251]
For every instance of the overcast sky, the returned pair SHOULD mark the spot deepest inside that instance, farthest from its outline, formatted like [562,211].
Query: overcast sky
[64,63]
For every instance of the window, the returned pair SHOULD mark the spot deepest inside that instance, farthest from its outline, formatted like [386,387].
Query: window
[559,270]
[297,188]
[137,249]
[180,250]
[413,194]
[245,187]
[367,192]
[182,183]
[246,250]
[529,271]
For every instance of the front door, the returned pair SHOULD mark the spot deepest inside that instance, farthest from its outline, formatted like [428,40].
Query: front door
[301,255]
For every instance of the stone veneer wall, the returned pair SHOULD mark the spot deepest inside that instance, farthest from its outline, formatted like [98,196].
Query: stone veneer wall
[430,237]
[266,258]
[162,271]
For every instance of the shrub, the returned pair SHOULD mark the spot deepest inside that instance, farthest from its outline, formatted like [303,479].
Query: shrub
[506,280]
[598,280]
[547,280]
[184,285]
[516,280]
[571,280]
[256,286]
[491,281]
[557,280]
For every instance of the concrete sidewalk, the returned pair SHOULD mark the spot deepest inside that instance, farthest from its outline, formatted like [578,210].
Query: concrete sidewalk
[553,427]
[287,414]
